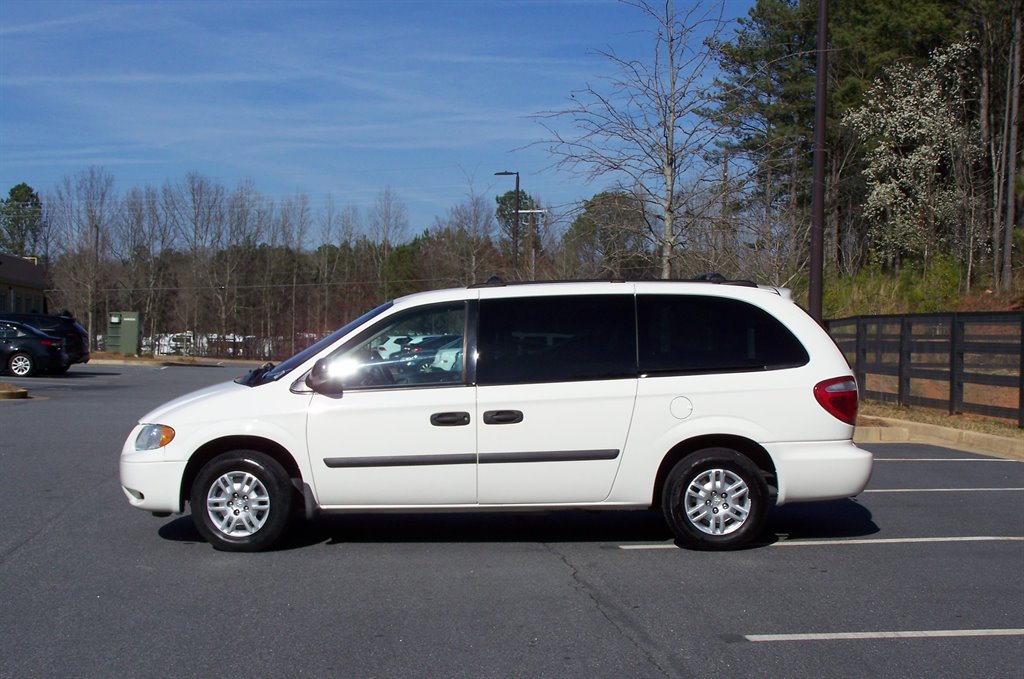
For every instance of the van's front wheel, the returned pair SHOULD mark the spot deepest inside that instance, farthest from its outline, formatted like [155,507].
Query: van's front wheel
[715,498]
[241,501]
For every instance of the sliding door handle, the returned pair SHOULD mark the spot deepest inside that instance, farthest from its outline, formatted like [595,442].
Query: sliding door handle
[503,417]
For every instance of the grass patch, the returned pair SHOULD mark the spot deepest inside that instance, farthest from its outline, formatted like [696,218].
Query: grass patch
[975,423]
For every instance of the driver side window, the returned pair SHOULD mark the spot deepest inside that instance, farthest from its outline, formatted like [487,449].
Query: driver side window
[418,347]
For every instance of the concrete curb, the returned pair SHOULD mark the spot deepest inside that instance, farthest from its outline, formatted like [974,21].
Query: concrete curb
[886,430]
[161,364]
[11,392]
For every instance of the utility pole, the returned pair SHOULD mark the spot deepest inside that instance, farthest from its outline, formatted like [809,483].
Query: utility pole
[515,224]
[814,295]
[532,236]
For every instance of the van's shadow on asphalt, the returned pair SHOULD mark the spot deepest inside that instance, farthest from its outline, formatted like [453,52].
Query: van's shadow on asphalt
[834,519]
[837,519]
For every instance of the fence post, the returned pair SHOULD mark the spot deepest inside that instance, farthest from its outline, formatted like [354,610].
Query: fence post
[956,365]
[1020,376]
[860,354]
[903,365]
[880,342]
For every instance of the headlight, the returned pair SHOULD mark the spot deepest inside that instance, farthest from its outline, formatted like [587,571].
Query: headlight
[154,436]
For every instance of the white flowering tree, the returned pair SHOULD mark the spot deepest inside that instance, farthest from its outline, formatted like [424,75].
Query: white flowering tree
[923,153]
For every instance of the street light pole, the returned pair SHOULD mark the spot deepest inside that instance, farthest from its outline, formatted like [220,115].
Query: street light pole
[515,223]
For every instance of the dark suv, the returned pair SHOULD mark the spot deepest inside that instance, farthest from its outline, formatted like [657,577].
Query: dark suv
[73,335]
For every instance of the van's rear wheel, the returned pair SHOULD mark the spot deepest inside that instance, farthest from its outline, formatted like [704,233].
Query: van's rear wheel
[715,498]
[241,501]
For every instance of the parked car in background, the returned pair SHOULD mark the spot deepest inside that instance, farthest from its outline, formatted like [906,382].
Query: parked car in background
[419,354]
[449,356]
[73,336]
[392,345]
[26,351]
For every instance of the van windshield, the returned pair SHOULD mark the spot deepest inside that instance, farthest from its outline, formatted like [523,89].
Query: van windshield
[271,373]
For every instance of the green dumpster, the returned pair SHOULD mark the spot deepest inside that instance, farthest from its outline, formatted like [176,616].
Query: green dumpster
[123,332]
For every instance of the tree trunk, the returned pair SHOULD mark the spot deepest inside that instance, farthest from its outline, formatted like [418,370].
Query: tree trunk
[1013,97]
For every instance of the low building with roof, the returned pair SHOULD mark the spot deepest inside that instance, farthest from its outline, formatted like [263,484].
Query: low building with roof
[22,285]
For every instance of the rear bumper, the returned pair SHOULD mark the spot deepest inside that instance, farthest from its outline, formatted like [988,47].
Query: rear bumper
[823,470]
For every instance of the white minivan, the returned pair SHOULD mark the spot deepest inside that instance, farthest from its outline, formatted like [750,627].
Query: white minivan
[710,400]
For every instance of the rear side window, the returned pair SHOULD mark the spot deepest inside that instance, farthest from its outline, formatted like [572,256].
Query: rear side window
[556,339]
[693,334]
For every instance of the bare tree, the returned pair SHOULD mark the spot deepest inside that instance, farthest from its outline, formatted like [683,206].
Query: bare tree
[140,236]
[195,210]
[644,128]
[337,230]
[459,249]
[234,244]
[389,226]
[82,211]
[999,63]
[294,221]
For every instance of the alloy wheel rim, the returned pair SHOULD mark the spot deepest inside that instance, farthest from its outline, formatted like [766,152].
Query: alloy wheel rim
[717,502]
[20,366]
[238,504]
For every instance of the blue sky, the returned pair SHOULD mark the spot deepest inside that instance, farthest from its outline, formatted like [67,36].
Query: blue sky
[324,98]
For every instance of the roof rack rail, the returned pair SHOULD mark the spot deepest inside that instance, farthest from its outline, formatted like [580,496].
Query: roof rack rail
[492,282]
[715,277]
[498,282]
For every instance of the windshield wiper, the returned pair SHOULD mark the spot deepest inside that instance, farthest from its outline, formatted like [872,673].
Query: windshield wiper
[252,378]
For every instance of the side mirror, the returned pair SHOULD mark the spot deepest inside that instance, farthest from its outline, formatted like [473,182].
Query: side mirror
[321,381]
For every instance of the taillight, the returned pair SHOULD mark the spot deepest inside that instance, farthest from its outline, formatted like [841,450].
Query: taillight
[50,343]
[839,397]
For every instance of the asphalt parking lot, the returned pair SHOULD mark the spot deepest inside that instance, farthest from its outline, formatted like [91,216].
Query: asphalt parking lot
[920,576]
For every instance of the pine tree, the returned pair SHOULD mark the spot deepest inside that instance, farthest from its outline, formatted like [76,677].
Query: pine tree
[21,222]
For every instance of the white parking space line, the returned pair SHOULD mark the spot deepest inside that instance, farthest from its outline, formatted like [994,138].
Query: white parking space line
[897,541]
[908,634]
[784,542]
[942,459]
[940,490]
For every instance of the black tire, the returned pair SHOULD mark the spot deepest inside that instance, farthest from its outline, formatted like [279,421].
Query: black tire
[700,514]
[241,501]
[21,364]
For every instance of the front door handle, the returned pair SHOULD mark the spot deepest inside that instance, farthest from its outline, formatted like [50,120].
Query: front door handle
[449,419]
[503,417]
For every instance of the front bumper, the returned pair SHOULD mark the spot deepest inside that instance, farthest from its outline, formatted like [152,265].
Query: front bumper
[152,484]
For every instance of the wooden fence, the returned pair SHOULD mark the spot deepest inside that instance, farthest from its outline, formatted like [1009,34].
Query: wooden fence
[960,362]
